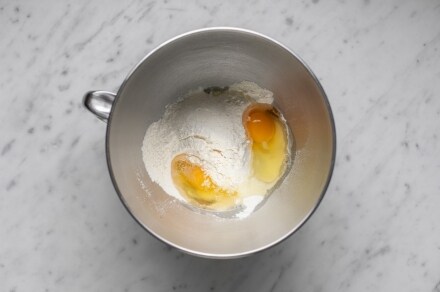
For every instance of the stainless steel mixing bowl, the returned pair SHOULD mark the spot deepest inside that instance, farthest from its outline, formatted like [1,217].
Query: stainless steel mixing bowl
[207,57]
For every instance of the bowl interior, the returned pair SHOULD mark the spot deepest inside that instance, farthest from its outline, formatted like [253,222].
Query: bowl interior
[221,57]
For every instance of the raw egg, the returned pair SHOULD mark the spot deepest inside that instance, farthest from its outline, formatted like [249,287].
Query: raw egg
[266,132]
[192,181]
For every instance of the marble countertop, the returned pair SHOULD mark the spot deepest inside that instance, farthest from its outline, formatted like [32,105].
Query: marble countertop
[63,227]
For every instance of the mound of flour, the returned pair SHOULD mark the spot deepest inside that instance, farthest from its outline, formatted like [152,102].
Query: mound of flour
[207,127]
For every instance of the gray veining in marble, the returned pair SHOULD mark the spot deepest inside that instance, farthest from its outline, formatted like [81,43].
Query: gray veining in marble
[63,227]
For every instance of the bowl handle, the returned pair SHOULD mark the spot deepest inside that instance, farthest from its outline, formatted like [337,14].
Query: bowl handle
[99,103]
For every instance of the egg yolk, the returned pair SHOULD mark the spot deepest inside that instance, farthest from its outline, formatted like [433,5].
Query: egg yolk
[268,136]
[192,182]
[261,126]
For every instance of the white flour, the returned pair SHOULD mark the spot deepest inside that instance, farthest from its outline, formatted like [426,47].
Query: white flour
[209,128]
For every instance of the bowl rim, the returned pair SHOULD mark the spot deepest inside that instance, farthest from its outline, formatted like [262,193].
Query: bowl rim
[238,254]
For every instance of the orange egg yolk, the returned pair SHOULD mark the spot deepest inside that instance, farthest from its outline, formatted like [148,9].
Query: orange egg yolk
[261,125]
[269,141]
[192,181]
